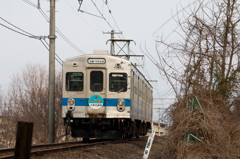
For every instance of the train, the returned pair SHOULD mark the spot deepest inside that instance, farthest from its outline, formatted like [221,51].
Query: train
[105,96]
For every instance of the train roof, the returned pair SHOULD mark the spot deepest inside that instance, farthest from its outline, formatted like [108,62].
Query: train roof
[96,54]
[104,54]
[107,56]
[135,67]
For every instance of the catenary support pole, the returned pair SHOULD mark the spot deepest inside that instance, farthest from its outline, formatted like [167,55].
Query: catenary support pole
[112,49]
[51,90]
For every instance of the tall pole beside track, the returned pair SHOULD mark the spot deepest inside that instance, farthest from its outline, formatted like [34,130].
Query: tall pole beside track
[112,49]
[51,89]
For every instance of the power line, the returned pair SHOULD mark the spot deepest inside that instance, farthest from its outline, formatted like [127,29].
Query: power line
[59,60]
[14,30]
[27,34]
[114,22]
[30,3]
[167,21]
[102,15]
[15,26]
[119,30]
[56,54]
[58,30]
[21,31]
[43,14]
[90,14]
[94,26]
[122,35]
[62,35]
[109,10]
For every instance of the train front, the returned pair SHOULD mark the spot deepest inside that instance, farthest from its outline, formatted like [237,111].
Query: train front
[96,95]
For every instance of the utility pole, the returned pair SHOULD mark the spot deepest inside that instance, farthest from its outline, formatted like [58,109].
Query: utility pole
[51,89]
[152,124]
[126,41]
[159,120]
[112,50]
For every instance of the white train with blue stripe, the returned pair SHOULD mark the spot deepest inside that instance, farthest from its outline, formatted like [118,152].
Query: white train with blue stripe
[105,96]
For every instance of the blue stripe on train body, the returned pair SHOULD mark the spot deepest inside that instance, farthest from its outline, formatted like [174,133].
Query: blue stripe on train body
[108,102]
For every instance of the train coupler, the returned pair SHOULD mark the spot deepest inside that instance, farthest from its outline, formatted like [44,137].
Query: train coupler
[68,122]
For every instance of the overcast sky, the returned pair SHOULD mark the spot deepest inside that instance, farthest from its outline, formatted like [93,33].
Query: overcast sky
[137,19]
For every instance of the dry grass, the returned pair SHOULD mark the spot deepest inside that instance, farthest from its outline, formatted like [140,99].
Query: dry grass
[219,131]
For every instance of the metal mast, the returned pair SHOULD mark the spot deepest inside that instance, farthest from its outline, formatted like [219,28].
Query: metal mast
[51,90]
[112,50]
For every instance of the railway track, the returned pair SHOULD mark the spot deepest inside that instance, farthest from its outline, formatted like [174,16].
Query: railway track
[50,148]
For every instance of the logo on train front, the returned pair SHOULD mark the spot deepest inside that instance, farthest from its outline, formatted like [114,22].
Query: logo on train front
[95,101]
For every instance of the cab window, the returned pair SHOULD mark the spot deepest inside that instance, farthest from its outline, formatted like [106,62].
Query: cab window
[118,82]
[74,81]
[96,81]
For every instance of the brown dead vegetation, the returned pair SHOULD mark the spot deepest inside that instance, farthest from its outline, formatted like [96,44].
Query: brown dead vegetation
[204,62]
[27,100]
[219,131]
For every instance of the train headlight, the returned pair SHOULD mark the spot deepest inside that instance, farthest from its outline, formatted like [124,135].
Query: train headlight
[71,104]
[120,105]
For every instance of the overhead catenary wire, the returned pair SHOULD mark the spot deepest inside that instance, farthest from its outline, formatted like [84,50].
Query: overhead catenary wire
[62,35]
[30,3]
[55,53]
[111,25]
[110,12]
[167,21]
[176,14]
[16,26]
[152,59]
[175,29]
[57,30]
[90,14]
[43,14]
[73,8]
[27,34]
[14,30]
[102,15]
[20,31]
[59,60]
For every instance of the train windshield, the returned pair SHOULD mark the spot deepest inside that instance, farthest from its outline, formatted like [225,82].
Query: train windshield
[74,81]
[96,81]
[118,82]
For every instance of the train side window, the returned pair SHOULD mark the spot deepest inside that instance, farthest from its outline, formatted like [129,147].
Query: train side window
[118,82]
[74,81]
[96,81]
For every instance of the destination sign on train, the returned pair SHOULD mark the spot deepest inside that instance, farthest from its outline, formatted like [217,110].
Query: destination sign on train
[96,61]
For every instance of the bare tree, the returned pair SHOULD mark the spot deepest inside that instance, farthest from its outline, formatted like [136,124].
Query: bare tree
[204,62]
[7,123]
[28,101]
[207,49]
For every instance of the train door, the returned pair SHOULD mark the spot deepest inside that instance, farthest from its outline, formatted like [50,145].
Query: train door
[96,92]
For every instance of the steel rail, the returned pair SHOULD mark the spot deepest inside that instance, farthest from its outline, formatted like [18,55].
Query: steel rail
[8,152]
[50,148]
